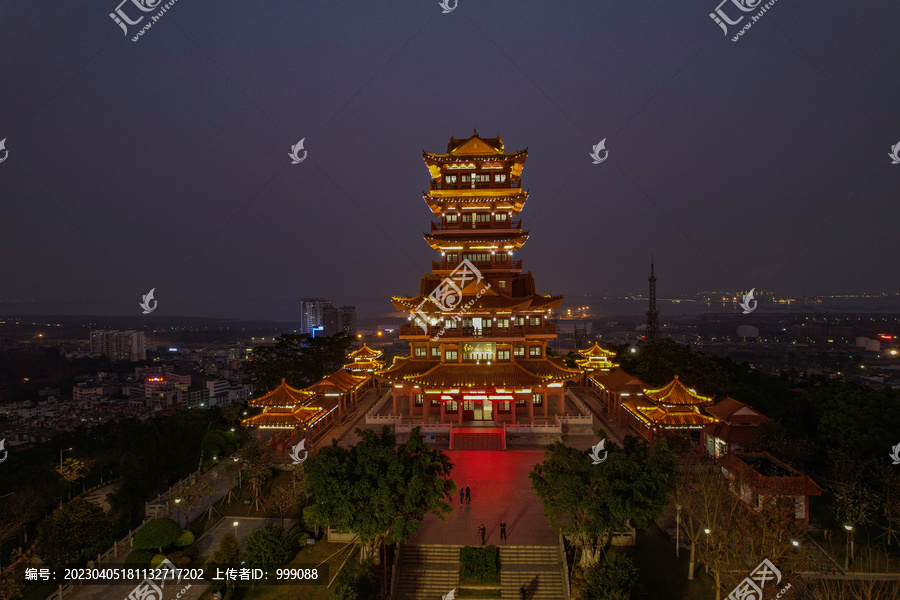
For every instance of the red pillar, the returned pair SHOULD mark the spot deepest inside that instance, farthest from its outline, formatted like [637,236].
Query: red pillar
[459,410]
[545,400]
[530,402]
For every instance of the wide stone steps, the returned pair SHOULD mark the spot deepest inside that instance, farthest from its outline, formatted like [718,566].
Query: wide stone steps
[537,568]
[427,572]
[488,440]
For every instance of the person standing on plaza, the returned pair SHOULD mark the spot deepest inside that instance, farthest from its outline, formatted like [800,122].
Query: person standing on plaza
[462,492]
[468,496]
[502,530]
[482,530]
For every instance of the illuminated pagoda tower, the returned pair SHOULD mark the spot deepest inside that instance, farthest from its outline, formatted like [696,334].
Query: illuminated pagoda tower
[365,359]
[652,314]
[478,332]
[596,359]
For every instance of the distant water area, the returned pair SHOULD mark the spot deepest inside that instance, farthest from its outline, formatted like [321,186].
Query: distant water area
[602,306]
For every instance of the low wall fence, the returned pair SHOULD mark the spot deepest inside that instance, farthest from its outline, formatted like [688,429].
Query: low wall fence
[373,418]
[119,548]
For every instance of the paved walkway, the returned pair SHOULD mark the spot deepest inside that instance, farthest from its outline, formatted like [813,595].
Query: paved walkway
[500,489]
[601,420]
[99,496]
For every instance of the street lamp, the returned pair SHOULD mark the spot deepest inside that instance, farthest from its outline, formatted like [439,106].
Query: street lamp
[795,543]
[61,450]
[849,528]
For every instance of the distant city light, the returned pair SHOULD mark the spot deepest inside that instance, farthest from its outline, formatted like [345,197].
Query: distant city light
[173,349]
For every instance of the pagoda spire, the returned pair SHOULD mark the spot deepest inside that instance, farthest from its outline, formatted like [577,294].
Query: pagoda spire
[652,314]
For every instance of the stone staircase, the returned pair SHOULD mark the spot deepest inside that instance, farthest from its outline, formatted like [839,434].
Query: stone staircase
[538,568]
[427,572]
[489,439]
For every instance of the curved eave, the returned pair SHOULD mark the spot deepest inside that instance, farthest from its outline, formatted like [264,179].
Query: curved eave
[516,241]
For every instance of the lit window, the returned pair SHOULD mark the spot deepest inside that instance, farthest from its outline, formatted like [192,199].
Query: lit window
[500,217]
[503,406]
[451,406]
[435,352]
[450,323]
[502,283]
[502,322]
[534,351]
[520,321]
[452,258]
[418,399]
[537,399]
[420,351]
[499,177]
[519,351]
[534,321]
[451,355]
[502,354]
[451,218]
[482,218]
[482,177]
[450,178]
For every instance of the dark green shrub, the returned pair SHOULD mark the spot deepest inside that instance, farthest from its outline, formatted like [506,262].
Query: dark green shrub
[357,582]
[269,546]
[193,552]
[611,579]
[157,534]
[480,562]
[185,540]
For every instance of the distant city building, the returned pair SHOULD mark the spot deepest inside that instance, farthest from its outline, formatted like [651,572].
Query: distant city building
[319,317]
[312,314]
[119,345]
[652,313]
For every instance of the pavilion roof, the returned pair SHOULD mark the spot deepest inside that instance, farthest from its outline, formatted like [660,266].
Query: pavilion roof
[522,373]
[736,412]
[365,352]
[666,417]
[765,474]
[619,381]
[365,365]
[283,396]
[340,382]
[596,351]
[284,418]
[676,393]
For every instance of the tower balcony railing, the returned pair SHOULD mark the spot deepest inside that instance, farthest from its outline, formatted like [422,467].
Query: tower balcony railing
[411,329]
[510,185]
[445,265]
[499,226]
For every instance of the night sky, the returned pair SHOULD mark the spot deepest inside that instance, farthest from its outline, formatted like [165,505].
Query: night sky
[164,163]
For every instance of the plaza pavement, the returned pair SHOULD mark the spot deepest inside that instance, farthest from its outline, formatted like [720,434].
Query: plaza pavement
[501,489]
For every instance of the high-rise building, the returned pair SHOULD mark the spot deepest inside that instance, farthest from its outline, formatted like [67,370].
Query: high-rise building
[319,317]
[312,315]
[478,332]
[119,345]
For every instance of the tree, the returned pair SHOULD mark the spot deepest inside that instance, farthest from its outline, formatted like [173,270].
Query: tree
[270,546]
[378,490]
[73,533]
[358,582]
[12,577]
[705,502]
[658,361]
[587,502]
[612,579]
[299,359]
[283,497]
[158,534]
[228,554]
[256,459]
